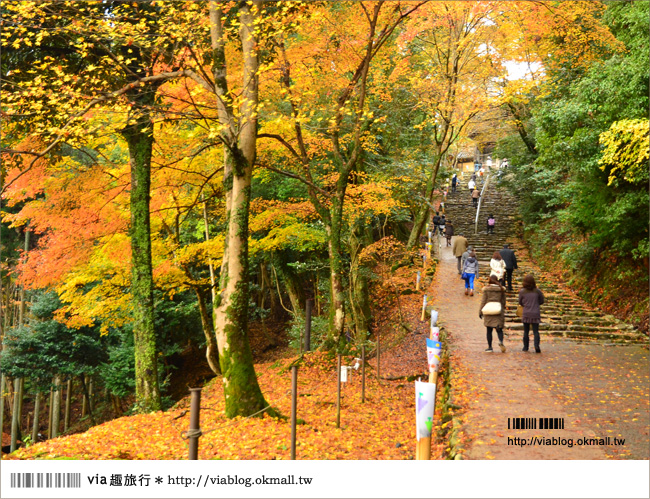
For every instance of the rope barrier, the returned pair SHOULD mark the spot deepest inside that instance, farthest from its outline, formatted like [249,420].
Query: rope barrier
[187,434]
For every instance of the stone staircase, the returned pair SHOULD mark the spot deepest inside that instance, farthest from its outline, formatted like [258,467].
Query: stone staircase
[563,313]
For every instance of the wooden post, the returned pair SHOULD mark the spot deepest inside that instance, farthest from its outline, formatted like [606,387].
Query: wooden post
[195,429]
[338,391]
[294,408]
[363,374]
[68,401]
[37,409]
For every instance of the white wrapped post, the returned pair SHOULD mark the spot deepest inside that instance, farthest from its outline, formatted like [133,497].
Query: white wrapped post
[425,402]
[417,281]
[434,351]
[434,317]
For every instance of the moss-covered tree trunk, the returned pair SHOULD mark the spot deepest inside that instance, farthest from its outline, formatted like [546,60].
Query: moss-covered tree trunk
[139,138]
[337,270]
[242,392]
[243,395]
[360,237]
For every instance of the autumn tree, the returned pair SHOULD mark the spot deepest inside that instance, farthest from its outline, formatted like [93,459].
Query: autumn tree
[452,65]
[586,202]
[327,124]
[87,56]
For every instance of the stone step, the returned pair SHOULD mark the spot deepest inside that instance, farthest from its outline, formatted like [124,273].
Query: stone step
[563,314]
[615,338]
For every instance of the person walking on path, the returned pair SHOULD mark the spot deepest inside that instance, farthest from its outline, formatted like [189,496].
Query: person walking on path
[475,195]
[470,270]
[465,256]
[442,226]
[436,223]
[449,232]
[471,185]
[498,268]
[459,247]
[530,298]
[454,182]
[491,222]
[510,260]
[494,293]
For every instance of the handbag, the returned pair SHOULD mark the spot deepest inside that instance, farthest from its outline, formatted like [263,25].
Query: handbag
[491,308]
[465,275]
[520,311]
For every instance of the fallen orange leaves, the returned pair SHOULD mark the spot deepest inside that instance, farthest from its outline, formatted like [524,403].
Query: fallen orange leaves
[382,428]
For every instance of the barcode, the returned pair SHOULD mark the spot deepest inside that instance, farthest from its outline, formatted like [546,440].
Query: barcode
[46,480]
[533,423]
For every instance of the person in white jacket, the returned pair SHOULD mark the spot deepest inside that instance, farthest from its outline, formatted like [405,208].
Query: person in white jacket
[498,267]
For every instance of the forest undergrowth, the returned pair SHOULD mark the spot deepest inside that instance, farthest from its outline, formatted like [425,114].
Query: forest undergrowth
[380,428]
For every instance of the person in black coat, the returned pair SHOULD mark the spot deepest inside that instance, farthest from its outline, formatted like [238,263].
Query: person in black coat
[510,260]
[436,223]
[449,232]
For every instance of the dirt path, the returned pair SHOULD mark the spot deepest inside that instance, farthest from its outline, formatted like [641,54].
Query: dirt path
[600,391]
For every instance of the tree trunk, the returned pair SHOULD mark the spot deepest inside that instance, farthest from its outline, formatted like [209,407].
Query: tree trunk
[87,397]
[521,129]
[212,351]
[423,211]
[50,411]
[3,383]
[243,395]
[360,237]
[56,410]
[16,414]
[337,288]
[84,399]
[241,389]
[68,401]
[140,141]
[117,409]
[267,285]
[295,292]
[37,410]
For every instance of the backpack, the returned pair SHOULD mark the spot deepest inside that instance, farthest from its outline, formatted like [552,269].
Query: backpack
[491,222]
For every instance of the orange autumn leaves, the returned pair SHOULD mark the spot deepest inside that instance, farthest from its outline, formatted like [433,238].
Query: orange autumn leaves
[382,428]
